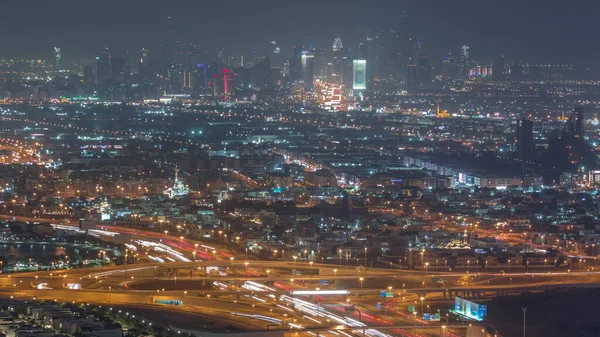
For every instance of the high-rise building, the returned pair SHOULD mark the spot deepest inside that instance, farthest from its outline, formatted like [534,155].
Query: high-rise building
[525,145]
[449,68]
[411,78]
[340,72]
[143,63]
[301,67]
[103,67]
[118,69]
[424,70]
[88,77]
[464,62]
[337,45]
[372,55]
[57,58]
[359,72]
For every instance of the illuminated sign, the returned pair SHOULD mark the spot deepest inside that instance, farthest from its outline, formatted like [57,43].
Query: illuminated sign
[320,292]
[359,71]
[470,309]
[169,302]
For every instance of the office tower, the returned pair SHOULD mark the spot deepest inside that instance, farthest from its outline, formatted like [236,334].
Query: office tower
[57,58]
[359,72]
[525,146]
[424,71]
[258,76]
[301,67]
[372,56]
[338,61]
[286,70]
[170,63]
[464,62]
[88,77]
[143,64]
[118,69]
[411,78]
[320,63]
[103,67]
[202,74]
[337,45]
[449,68]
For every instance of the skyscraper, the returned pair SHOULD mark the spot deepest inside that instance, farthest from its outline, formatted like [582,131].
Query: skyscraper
[143,63]
[359,71]
[341,68]
[337,44]
[411,78]
[301,67]
[425,71]
[103,67]
[464,62]
[58,58]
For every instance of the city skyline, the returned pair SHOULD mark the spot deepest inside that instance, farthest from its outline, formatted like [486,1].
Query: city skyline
[523,30]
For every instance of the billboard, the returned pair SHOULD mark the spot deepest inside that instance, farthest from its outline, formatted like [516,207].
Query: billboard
[359,71]
[470,309]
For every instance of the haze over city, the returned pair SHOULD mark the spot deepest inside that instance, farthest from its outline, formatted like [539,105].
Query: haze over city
[315,168]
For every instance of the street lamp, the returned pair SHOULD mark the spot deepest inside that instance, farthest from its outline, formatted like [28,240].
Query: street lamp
[335,272]
[361,282]
[422,306]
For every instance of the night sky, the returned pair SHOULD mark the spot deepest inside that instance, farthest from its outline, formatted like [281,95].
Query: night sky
[538,30]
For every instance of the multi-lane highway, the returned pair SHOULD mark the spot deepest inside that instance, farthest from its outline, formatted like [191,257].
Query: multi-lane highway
[212,280]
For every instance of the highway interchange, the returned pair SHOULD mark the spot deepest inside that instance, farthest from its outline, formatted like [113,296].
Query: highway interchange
[219,282]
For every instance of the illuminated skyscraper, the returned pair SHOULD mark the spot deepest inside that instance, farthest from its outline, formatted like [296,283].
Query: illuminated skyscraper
[337,45]
[359,78]
[301,67]
[340,71]
[464,62]
[58,58]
